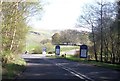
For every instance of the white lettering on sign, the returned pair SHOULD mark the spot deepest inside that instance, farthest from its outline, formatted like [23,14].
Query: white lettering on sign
[83,53]
[57,51]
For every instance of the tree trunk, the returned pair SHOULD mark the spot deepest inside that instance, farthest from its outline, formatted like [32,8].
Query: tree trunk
[118,27]
[106,50]
[101,48]
[113,54]
[95,53]
[15,29]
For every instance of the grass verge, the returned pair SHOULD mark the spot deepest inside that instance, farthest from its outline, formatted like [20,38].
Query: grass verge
[13,69]
[92,62]
[68,48]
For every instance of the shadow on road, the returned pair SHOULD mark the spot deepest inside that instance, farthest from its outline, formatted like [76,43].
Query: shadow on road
[61,69]
[41,69]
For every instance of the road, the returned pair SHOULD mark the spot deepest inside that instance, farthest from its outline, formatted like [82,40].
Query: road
[39,67]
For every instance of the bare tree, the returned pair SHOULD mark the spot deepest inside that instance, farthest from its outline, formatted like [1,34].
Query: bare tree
[100,17]
[118,28]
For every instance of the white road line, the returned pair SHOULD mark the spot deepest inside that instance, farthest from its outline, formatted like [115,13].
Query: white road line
[79,75]
[73,73]
[85,77]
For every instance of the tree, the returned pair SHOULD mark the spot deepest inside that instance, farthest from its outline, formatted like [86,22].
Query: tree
[56,38]
[118,28]
[69,36]
[45,41]
[100,18]
[14,27]
[73,37]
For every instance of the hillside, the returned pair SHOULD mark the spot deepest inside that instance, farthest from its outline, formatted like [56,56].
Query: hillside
[34,37]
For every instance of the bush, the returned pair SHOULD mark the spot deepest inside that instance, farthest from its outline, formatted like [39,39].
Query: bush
[8,57]
[50,52]
[77,53]
[37,50]
[50,48]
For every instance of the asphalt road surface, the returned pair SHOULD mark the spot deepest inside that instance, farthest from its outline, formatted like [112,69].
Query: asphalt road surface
[41,67]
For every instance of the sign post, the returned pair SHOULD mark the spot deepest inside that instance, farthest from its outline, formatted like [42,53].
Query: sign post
[83,51]
[57,50]
[44,51]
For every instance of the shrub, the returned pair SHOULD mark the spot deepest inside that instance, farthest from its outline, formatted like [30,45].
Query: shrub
[77,53]
[37,50]
[50,48]
[50,52]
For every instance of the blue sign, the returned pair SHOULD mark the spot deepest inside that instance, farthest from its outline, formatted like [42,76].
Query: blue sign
[57,50]
[83,51]
[44,49]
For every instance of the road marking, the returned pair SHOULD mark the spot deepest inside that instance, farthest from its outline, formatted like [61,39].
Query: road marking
[79,75]
[73,73]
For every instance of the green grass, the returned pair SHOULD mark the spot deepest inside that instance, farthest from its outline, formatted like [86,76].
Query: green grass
[11,70]
[92,62]
[68,48]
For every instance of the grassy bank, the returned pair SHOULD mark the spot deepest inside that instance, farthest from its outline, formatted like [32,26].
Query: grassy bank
[92,62]
[64,48]
[11,70]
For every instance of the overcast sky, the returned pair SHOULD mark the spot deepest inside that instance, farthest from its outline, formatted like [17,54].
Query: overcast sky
[60,14]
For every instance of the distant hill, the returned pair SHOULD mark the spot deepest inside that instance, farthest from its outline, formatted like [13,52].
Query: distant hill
[34,36]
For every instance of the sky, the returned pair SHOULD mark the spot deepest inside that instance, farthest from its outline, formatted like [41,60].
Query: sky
[60,15]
